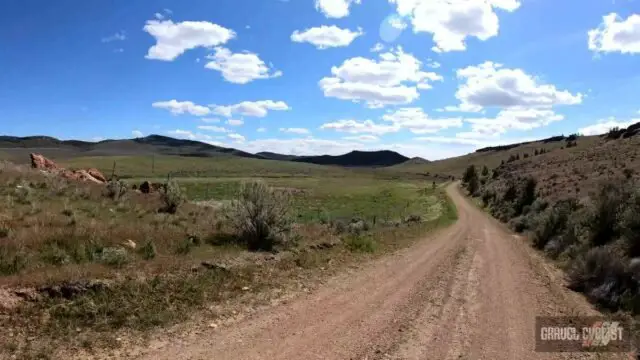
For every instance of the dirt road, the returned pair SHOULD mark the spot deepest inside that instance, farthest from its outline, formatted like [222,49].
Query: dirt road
[470,291]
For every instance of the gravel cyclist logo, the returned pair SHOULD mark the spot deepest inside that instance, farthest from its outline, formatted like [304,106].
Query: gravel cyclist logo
[573,334]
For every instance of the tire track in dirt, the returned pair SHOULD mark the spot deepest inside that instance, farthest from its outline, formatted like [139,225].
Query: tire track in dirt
[469,291]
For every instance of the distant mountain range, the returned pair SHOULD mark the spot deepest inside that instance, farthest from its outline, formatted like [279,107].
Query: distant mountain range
[163,145]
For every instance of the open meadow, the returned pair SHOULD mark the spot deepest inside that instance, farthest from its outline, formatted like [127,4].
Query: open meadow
[84,266]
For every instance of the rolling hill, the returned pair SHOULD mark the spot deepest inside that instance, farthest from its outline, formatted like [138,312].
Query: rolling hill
[17,149]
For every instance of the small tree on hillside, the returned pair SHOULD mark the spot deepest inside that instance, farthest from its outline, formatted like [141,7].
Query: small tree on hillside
[470,178]
[485,171]
[469,174]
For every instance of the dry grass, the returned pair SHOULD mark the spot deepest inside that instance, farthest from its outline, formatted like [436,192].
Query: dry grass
[70,246]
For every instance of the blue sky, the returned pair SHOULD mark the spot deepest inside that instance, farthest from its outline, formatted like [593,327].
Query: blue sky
[431,78]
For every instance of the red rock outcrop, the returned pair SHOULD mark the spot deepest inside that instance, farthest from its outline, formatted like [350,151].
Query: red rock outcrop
[91,175]
[40,162]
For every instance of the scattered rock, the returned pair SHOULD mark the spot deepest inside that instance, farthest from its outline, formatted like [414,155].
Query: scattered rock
[70,290]
[245,288]
[212,266]
[48,166]
[324,245]
[27,294]
[129,244]
[213,325]
[97,175]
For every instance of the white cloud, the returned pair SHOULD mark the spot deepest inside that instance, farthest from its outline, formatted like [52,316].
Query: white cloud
[451,22]
[360,127]
[235,122]
[616,35]
[461,139]
[301,131]
[325,37]
[363,138]
[236,137]
[251,108]
[210,120]
[313,146]
[491,85]
[335,8]
[97,138]
[189,135]
[213,128]
[182,107]
[261,129]
[118,50]
[605,125]
[433,64]
[173,39]
[512,119]
[159,16]
[119,36]
[377,47]
[240,68]
[394,79]
[418,122]
[137,133]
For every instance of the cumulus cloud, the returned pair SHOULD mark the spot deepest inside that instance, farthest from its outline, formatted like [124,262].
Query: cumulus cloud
[418,122]
[235,122]
[240,68]
[189,135]
[377,47]
[605,125]
[512,119]
[251,108]
[325,37]
[392,80]
[616,35]
[182,107]
[335,8]
[236,137]
[300,131]
[491,85]
[313,146]
[261,129]
[210,120]
[213,128]
[119,36]
[360,127]
[173,39]
[363,138]
[451,22]
[137,133]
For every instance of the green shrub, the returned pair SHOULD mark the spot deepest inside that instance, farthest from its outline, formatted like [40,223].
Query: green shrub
[114,256]
[115,189]
[11,262]
[4,232]
[629,225]
[172,197]
[260,216]
[603,276]
[488,196]
[148,250]
[551,223]
[606,209]
[55,255]
[360,243]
